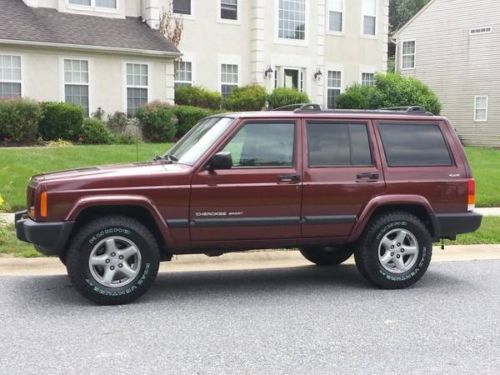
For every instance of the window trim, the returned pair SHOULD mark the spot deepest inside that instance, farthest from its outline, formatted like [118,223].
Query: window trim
[362,31]
[187,60]
[229,60]
[21,58]
[366,123]
[476,108]
[62,85]
[402,122]
[327,22]
[261,121]
[361,77]
[333,68]
[126,86]
[414,54]
[238,19]
[93,7]
[293,42]
[190,16]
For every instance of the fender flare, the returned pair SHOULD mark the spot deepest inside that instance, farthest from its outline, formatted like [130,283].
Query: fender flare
[386,200]
[123,200]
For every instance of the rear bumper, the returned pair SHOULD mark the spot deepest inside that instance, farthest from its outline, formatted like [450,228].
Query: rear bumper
[49,238]
[449,225]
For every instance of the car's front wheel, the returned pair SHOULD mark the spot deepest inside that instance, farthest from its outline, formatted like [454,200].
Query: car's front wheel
[113,260]
[327,255]
[395,251]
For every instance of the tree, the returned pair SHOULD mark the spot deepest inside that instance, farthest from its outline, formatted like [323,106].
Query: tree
[171,27]
[390,90]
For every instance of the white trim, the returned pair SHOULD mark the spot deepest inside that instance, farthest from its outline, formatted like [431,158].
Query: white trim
[238,19]
[21,58]
[93,7]
[327,21]
[486,108]
[191,16]
[414,54]
[362,31]
[82,47]
[333,68]
[125,85]
[62,79]
[294,42]
[229,60]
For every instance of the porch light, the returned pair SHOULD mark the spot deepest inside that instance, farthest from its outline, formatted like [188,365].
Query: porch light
[318,75]
[268,73]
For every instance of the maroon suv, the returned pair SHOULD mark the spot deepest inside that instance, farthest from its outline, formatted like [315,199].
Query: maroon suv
[380,184]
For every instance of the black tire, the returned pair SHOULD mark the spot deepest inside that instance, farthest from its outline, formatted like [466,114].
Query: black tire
[400,272]
[327,255]
[121,231]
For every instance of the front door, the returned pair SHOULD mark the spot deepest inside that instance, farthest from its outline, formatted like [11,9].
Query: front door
[260,196]
[341,174]
[291,79]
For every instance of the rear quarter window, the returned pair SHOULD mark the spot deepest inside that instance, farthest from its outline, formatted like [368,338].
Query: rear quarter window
[414,145]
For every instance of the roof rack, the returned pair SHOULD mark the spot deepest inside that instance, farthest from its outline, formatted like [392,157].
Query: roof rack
[316,108]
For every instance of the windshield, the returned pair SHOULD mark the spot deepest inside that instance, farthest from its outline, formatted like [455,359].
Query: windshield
[198,140]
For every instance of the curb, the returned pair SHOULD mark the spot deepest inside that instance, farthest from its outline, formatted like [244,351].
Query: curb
[11,266]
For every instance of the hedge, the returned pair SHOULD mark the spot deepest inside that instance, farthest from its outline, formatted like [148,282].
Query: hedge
[197,97]
[157,121]
[285,96]
[61,121]
[95,132]
[19,119]
[246,98]
[187,117]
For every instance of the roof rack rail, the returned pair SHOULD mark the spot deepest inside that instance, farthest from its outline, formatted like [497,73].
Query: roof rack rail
[412,108]
[299,107]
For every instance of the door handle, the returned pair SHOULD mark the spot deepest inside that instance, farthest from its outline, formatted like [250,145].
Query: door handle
[368,176]
[289,178]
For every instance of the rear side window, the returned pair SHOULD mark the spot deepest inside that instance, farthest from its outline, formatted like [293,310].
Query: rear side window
[414,145]
[334,144]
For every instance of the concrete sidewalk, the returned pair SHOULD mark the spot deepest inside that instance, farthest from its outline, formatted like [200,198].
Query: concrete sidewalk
[10,266]
[487,211]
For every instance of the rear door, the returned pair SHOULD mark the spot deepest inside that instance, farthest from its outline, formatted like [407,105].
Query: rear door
[342,172]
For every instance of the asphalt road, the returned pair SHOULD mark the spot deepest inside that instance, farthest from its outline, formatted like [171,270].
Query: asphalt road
[305,320]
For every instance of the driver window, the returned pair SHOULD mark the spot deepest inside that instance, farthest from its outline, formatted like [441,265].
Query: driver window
[263,145]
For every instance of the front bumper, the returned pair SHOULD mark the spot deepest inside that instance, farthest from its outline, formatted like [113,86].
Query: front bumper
[449,225]
[49,238]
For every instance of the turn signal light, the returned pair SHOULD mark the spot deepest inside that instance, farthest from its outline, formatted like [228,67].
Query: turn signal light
[471,199]
[43,204]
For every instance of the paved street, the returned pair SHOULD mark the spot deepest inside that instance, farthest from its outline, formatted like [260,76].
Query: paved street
[289,320]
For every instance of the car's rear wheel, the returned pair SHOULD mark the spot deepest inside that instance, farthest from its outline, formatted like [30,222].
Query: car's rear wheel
[327,255]
[395,251]
[113,260]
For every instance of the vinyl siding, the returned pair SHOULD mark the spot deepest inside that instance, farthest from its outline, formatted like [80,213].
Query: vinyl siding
[458,66]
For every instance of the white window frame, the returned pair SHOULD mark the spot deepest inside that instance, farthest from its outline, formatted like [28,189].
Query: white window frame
[126,86]
[21,58]
[361,78]
[476,97]
[182,15]
[93,7]
[333,68]
[331,32]
[237,21]
[63,83]
[187,60]
[231,60]
[480,30]
[295,42]
[414,54]
[369,36]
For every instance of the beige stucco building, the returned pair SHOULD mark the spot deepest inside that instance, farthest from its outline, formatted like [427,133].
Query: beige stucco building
[453,46]
[105,53]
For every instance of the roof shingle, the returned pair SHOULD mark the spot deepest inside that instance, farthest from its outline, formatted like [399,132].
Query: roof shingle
[18,22]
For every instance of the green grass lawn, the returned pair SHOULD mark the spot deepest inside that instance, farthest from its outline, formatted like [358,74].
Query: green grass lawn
[17,165]
[485,164]
[489,233]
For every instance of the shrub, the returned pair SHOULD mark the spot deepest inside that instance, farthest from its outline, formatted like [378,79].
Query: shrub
[157,122]
[61,121]
[390,90]
[125,139]
[187,117]
[94,132]
[19,119]
[286,96]
[197,97]
[117,122]
[246,98]
[59,143]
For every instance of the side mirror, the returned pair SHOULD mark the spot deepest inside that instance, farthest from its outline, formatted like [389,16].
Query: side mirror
[221,160]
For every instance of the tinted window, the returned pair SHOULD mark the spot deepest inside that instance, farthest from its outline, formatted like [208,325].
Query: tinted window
[331,144]
[263,144]
[421,145]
